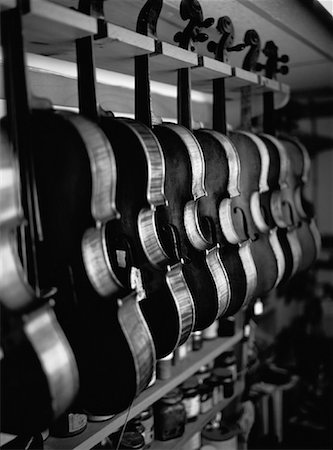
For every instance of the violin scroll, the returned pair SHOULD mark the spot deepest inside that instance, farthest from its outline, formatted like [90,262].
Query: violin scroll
[226,28]
[191,9]
[271,67]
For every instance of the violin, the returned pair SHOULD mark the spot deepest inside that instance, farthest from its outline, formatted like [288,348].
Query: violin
[77,183]
[39,374]
[288,214]
[222,182]
[240,214]
[291,198]
[142,243]
[185,185]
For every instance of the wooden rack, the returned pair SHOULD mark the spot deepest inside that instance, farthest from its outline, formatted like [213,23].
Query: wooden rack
[50,30]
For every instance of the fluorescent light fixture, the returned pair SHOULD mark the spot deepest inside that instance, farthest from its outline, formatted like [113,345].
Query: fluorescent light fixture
[69,70]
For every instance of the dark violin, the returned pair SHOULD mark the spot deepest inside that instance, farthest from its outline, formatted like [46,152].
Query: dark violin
[222,182]
[185,185]
[240,214]
[77,183]
[291,203]
[303,238]
[39,375]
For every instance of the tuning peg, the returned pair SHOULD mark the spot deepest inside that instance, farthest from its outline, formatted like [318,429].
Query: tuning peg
[212,46]
[177,37]
[200,37]
[237,48]
[284,70]
[284,59]
[260,67]
[207,23]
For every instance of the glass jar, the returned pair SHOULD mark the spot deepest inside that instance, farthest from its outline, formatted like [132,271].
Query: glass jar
[206,397]
[132,440]
[211,331]
[225,379]
[164,367]
[215,386]
[169,416]
[227,360]
[146,419]
[203,373]
[196,340]
[191,398]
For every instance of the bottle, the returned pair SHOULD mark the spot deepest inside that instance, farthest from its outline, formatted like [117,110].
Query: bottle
[169,416]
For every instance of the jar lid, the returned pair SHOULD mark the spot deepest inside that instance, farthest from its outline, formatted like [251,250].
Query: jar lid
[219,434]
[132,440]
[135,425]
[145,414]
[222,373]
[172,397]
[212,380]
[197,333]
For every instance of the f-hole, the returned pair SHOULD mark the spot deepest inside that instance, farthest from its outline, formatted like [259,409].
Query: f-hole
[175,243]
[208,227]
[242,218]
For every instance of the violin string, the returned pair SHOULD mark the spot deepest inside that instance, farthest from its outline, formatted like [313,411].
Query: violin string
[124,426]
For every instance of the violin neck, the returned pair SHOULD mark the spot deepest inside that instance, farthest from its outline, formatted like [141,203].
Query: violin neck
[246,108]
[18,119]
[269,114]
[143,102]
[184,107]
[86,77]
[219,108]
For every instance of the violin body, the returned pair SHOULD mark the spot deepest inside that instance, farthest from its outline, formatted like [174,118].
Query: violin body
[222,181]
[276,179]
[293,212]
[76,189]
[184,184]
[39,375]
[238,214]
[140,177]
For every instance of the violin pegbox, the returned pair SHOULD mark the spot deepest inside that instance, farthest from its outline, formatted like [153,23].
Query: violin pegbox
[191,10]
[271,67]
[226,28]
[148,17]
[252,40]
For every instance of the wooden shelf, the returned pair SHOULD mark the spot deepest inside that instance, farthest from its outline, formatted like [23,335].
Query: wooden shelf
[193,427]
[51,29]
[241,78]
[96,431]
[48,23]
